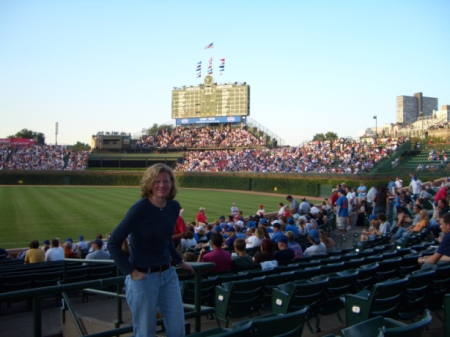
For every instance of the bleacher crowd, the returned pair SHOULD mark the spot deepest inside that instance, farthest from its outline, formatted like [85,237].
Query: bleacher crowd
[206,137]
[337,156]
[41,157]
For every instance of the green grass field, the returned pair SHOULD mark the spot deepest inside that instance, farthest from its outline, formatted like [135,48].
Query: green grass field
[40,212]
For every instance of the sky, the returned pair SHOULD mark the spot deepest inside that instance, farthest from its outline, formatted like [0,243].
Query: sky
[313,66]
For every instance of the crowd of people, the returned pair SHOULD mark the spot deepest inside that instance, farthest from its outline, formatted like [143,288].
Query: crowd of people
[198,137]
[41,157]
[337,156]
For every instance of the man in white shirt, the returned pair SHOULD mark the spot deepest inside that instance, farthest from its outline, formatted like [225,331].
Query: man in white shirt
[98,253]
[56,253]
[82,244]
[398,183]
[416,187]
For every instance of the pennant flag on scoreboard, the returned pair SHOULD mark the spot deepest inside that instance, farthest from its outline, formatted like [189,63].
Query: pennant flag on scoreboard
[211,45]
[199,69]
[222,66]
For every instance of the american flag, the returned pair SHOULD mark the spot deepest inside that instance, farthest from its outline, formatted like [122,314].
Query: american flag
[211,45]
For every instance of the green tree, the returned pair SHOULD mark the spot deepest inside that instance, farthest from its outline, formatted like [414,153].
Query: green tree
[156,128]
[331,135]
[39,137]
[319,137]
[79,147]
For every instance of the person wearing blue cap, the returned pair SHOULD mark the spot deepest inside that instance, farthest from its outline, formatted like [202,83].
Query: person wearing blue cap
[292,227]
[284,254]
[342,211]
[82,244]
[317,247]
[231,233]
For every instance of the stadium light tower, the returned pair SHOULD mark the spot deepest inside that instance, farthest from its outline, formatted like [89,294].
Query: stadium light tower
[376,127]
[56,133]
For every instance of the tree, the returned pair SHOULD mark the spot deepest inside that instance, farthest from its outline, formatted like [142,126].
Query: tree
[79,147]
[331,135]
[319,137]
[39,137]
[157,128]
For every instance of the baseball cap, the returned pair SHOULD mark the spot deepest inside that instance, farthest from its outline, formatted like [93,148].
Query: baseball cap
[69,239]
[283,239]
[98,242]
[263,221]
[277,225]
[81,238]
[202,209]
[341,191]
[217,229]
[222,217]
[291,221]
[372,217]
[46,242]
[230,229]
[314,234]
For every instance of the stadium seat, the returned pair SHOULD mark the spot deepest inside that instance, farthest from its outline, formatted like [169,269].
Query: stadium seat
[383,299]
[271,282]
[242,331]
[286,325]
[412,330]
[447,315]
[295,296]
[238,299]
[207,290]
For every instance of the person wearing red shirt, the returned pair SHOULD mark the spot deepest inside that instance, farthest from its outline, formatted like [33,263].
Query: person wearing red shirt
[334,197]
[441,194]
[201,217]
[220,257]
[179,232]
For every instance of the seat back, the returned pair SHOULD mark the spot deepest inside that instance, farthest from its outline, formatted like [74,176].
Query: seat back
[332,268]
[207,288]
[306,274]
[339,285]
[303,293]
[412,330]
[413,302]
[290,324]
[385,298]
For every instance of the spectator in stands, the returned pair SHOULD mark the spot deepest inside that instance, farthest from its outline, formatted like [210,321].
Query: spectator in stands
[45,245]
[189,241]
[362,192]
[98,253]
[443,252]
[441,209]
[151,283]
[342,212]
[266,253]
[234,209]
[82,244]
[277,233]
[284,253]
[69,253]
[441,194]
[231,233]
[256,239]
[327,241]
[334,197]
[293,204]
[56,253]
[179,232]
[317,247]
[292,227]
[304,207]
[34,254]
[220,257]
[294,245]
[385,226]
[242,261]
[381,201]
[200,219]
[423,223]
[261,212]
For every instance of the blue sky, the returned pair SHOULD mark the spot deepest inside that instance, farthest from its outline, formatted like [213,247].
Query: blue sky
[313,66]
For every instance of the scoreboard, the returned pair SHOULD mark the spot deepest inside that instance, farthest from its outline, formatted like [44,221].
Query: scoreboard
[211,100]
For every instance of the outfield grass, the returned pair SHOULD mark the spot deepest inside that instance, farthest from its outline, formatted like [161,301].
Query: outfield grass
[38,213]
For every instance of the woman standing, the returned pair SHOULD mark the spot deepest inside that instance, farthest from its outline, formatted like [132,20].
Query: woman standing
[151,282]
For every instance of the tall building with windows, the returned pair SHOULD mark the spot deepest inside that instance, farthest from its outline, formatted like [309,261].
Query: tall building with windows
[410,108]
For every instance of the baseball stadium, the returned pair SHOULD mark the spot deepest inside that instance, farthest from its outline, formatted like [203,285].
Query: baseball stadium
[212,224]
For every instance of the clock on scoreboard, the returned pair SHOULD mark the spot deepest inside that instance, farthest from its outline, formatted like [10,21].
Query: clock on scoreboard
[211,100]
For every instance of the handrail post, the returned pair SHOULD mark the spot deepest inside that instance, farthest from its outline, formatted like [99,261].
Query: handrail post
[119,320]
[37,316]
[64,270]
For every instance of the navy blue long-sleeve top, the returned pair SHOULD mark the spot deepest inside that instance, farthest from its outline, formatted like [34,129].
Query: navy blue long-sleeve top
[150,229]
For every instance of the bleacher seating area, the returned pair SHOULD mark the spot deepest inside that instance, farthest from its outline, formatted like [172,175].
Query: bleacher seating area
[41,157]
[428,160]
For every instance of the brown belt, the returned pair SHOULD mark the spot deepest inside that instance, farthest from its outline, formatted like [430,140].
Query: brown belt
[154,269]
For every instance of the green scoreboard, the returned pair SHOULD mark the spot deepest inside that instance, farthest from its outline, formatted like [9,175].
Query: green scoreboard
[211,100]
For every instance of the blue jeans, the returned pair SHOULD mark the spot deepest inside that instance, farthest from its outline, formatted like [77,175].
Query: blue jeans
[156,291]
[379,209]
[434,228]
[402,231]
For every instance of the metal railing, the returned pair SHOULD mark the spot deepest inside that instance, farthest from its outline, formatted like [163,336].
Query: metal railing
[89,286]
